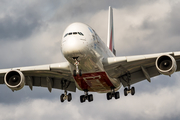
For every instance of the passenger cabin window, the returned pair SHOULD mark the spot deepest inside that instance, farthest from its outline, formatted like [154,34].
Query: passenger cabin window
[74,33]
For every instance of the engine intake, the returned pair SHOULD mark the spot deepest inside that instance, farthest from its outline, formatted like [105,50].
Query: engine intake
[166,64]
[14,79]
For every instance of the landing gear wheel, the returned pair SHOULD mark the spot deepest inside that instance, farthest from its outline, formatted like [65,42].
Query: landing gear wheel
[90,97]
[85,97]
[62,98]
[125,92]
[74,72]
[128,90]
[116,95]
[82,98]
[109,96]
[65,96]
[69,97]
[132,91]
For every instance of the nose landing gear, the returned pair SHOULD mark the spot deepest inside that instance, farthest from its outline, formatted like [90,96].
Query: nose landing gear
[77,71]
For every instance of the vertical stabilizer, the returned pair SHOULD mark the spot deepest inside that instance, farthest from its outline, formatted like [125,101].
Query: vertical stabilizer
[110,36]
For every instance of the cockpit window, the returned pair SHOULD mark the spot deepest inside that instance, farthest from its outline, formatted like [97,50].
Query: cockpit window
[80,33]
[65,34]
[74,33]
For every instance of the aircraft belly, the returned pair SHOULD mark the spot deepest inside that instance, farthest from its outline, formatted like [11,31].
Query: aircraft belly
[95,82]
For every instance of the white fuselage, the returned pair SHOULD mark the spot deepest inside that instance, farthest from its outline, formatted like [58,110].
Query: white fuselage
[81,41]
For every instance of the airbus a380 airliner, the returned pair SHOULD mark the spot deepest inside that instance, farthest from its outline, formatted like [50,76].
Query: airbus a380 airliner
[91,66]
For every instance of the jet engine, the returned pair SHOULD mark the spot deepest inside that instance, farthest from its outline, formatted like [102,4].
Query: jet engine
[14,79]
[166,64]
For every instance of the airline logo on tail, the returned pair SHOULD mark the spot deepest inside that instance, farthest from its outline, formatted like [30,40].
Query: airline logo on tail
[111,40]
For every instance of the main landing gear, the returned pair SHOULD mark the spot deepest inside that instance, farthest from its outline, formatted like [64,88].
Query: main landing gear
[113,94]
[77,71]
[65,96]
[127,79]
[85,97]
[129,90]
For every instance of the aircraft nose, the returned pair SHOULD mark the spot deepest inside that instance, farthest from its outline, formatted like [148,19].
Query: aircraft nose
[73,46]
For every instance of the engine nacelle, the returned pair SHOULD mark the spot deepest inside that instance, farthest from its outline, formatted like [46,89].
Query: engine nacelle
[166,64]
[14,79]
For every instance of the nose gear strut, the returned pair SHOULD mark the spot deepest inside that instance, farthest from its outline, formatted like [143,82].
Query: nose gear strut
[77,70]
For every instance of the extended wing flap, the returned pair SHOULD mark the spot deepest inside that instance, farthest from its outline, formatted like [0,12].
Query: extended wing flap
[138,76]
[57,83]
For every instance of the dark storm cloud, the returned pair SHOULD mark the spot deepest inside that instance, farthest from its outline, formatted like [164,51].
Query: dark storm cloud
[18,28]
[20,19]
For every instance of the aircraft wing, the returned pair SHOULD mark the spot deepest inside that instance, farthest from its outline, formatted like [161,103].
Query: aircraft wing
[56,76]
[137,68]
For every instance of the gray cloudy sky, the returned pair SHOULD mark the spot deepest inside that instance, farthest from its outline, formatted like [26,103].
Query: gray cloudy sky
[30,34]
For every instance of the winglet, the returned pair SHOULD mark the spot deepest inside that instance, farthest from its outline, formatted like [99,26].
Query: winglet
[110,36]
